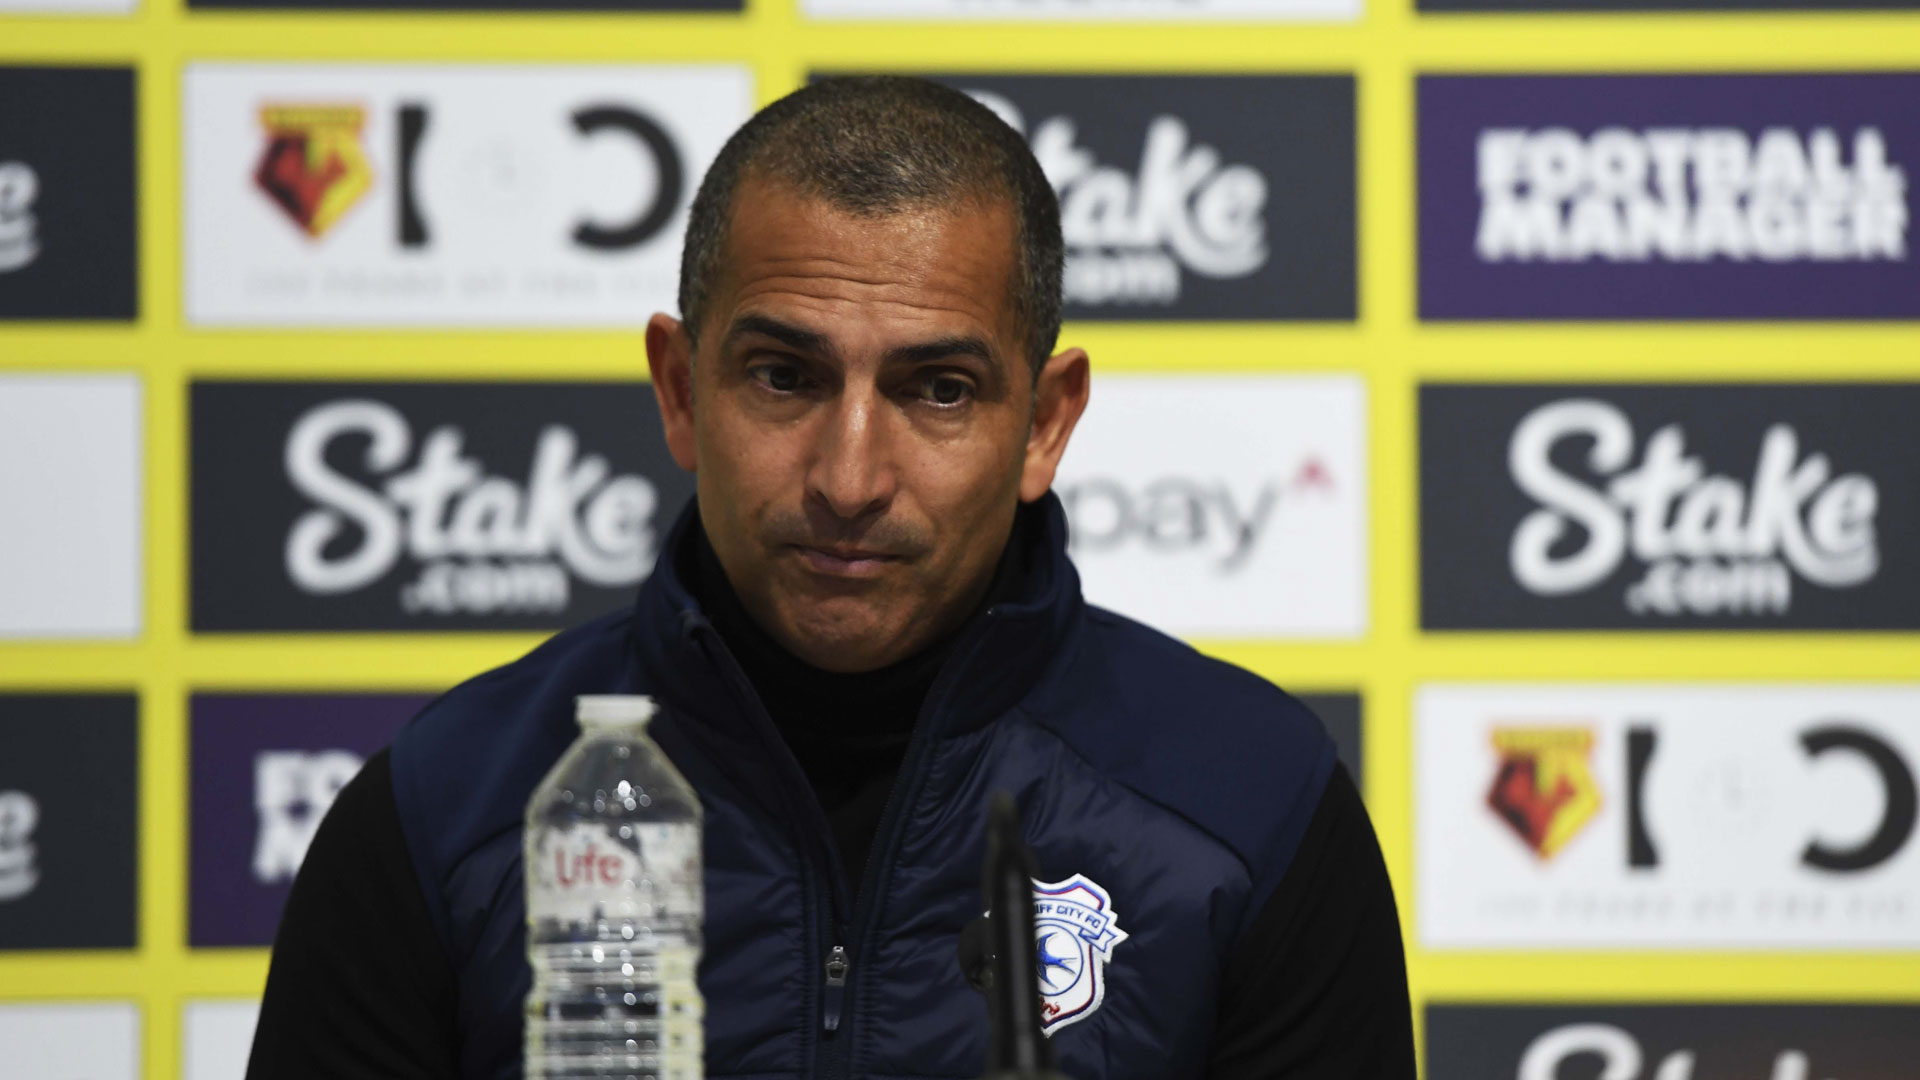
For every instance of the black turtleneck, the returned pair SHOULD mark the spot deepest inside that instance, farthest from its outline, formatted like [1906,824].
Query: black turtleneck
[848,731]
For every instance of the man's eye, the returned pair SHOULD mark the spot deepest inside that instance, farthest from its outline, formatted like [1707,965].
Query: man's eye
[946,390]
[781,378]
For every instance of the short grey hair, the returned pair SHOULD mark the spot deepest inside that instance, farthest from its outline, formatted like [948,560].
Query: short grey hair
[879,145]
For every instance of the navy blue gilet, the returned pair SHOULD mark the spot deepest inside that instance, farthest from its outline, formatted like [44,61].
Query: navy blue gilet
[1163,794]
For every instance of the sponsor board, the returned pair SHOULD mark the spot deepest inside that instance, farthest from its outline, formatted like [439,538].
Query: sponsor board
[1672,1041]
[445,195]
[424,506]
[71,457]
[1689,817]
[67,192]
[1659,507]
[68,7]
[68,815]
[1340,715]
[1779,196]
[1209,197]
[95,1040]
[526,6]
[1244,513]
[217,1038]
[265,768]
[1088,10]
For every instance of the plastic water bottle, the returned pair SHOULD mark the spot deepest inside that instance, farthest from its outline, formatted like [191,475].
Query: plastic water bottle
[614,903]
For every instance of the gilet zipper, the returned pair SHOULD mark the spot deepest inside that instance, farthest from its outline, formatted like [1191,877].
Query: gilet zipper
[835,1054]
[828,932]
[833,1042]
[837,967]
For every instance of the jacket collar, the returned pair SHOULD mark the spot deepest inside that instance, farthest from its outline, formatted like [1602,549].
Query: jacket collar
[997,662]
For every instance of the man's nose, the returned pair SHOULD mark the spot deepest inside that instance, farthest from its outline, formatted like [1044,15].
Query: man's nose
[852,473]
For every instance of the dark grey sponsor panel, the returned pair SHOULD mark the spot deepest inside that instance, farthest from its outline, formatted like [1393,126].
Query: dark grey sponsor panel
[1340,713]
[1645,1042]
[1726,196]
[424,506]
[1205,197]
[69,817]
[1697,506]
[67,193]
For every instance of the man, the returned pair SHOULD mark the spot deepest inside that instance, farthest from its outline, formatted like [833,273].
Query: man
[865,626]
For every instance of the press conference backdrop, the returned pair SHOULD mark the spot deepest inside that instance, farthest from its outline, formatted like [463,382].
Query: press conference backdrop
[1530,384]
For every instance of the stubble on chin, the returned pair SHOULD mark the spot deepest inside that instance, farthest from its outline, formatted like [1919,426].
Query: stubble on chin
[840,633]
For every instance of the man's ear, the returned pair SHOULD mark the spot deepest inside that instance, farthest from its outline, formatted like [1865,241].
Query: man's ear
[670,359]
[1059,399]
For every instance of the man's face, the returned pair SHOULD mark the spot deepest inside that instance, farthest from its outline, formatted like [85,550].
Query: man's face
[858,416]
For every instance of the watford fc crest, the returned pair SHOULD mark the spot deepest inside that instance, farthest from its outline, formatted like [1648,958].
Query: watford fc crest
[1075,930]
[314,167]
[1543,788]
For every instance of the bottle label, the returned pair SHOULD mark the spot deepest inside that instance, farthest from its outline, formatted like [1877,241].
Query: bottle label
[588,871]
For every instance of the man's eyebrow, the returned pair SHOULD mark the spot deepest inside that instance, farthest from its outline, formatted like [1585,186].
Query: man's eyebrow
[793,337]
[940,349]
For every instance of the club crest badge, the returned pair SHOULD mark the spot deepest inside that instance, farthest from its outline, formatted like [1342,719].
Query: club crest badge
[1544,789]
[314,167]
[1075,931]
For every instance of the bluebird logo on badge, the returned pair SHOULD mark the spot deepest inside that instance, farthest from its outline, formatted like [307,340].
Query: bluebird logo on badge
[1075,931]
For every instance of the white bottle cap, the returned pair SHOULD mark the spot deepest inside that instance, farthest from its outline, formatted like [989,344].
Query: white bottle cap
[615,710]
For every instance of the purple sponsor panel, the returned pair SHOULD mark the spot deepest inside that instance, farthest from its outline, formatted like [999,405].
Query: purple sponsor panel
[1668,196]
[264,769]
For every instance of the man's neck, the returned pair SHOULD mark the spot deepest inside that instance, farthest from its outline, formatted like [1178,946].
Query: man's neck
[804,698]
[848,732]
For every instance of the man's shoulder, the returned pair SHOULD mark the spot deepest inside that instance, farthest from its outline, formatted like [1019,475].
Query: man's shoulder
[1167,690]
[577,660]
[1218,745]
[465,766]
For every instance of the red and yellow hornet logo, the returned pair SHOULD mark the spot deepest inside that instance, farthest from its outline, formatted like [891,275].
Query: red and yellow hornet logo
[314,167]
[1543,788]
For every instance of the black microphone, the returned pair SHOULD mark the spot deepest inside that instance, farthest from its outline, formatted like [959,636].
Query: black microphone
[976,953]
[1017,1049]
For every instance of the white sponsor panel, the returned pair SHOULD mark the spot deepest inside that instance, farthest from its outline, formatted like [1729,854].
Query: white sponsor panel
[70,455]
[69,7]
[1688,817]
[445,195]
[70,1040]
[217,1037]
[1091,10]
[1223,505]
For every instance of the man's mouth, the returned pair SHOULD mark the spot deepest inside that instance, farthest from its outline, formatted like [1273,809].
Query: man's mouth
[845,562]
